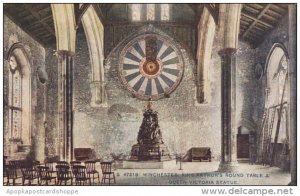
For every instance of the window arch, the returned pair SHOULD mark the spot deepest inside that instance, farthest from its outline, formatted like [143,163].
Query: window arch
[165,12]
[150,12]
[277,92]
[136,12]
[19,98]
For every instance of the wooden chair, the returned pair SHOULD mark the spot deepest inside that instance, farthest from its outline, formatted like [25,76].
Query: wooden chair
[18,163]
[91,170]
[107,174]
[62,163]
[63,174]
[50,165]
[80,174]
[44,175]
[4,165]
[11,174]
[28,173]
[75,163]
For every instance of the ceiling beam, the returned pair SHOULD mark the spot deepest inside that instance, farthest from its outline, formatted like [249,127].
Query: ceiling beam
[45,25]
[247,7]
[214,11]
[40,32]
[24,14]
[105,7]
[257,20]
[271,18]
[39,21]
[99,13]
[36,38]
[198,14]
[277,14]
[259,28]
[244,22]
[79,12]
[279,8]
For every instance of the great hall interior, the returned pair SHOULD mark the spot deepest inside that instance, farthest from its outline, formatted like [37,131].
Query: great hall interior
[149,94]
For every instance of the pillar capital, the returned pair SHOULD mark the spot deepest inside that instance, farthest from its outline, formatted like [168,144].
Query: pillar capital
[227,51]
[65,52]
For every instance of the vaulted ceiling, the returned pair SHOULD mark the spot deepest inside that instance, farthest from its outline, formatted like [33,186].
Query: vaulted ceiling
[257,20]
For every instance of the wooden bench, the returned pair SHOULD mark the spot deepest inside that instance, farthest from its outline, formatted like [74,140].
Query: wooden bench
[198,154]
[82,154]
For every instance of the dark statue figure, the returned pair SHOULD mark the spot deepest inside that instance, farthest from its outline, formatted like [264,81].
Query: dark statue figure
[149,132]
[150,145]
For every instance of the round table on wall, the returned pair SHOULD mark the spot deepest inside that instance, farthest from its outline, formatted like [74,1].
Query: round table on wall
[151,67]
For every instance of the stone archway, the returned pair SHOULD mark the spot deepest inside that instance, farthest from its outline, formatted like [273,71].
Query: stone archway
[206,34]
[94,32]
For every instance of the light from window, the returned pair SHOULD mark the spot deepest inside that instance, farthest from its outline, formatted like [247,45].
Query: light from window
[136,12]
[282,70]
[150,12]
[15,102]
[165,12]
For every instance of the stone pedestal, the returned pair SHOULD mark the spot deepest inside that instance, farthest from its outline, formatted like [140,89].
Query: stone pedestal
[149,152]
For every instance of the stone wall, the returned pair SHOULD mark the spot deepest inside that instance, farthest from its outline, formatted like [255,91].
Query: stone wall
[36,53]
[114,129]
[247,88]
[185,34]
[52,103]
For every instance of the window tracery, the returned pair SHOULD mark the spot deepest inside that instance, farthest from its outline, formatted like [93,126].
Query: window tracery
[150,12]
[165,12]
[15,100]
[137,13]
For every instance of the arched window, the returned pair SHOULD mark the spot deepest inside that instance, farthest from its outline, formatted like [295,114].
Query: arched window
[150,11]
[141,12]
[15,100]
[277,97]
[19,102]
[136,12]
[165,12]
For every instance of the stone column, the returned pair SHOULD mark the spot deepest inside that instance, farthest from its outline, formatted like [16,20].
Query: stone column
[228,109]
[292,48]
[200,92]
[65,104]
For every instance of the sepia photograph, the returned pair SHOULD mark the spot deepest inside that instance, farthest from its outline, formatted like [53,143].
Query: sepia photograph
[149,94]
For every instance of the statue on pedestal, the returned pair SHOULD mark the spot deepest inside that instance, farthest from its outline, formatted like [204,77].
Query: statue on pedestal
[149,132]
[150,145]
